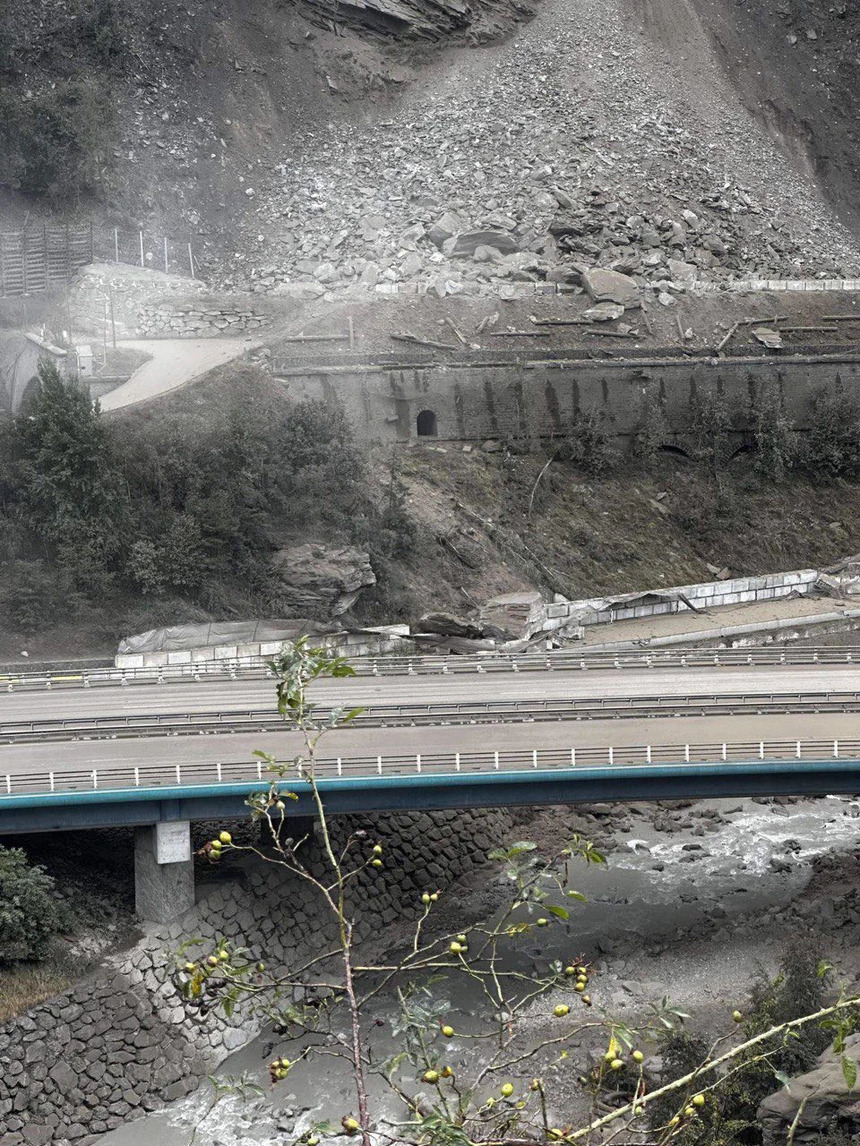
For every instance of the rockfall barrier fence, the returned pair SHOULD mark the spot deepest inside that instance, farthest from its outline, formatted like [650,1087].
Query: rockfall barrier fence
[36,258]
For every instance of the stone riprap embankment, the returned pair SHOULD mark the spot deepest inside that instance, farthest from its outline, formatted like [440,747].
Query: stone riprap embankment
[123,1042]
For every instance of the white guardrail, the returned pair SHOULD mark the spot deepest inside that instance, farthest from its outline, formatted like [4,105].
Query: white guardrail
[450,764]
[561,659]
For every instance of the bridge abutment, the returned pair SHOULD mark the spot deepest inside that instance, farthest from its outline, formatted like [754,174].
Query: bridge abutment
[163,871]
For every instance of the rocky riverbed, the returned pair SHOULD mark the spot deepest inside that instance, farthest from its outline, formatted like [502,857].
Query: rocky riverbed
[698,902]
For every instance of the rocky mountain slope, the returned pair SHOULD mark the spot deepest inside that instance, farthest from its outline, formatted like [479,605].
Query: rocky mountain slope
[334,143]
[603,132]
[796,65]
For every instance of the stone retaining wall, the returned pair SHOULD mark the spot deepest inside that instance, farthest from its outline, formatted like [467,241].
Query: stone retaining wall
[169,320]
[302,289]
[530,399]
[122,1042]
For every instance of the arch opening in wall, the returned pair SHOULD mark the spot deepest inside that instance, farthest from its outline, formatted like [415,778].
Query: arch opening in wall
[29,392]
[426,424]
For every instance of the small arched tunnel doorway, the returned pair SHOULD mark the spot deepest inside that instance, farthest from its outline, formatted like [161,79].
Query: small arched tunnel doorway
[426,424]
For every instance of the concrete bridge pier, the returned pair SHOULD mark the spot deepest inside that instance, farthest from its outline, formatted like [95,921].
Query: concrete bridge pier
[163,871]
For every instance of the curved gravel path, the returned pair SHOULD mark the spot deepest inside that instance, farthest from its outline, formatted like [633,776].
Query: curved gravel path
[174,362]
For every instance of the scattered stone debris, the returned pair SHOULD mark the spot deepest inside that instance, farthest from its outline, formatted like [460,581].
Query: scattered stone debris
[520,178]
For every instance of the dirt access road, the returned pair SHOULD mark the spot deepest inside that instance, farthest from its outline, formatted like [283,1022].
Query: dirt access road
[173,362]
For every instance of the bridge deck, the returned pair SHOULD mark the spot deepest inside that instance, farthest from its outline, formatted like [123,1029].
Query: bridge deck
[59,778]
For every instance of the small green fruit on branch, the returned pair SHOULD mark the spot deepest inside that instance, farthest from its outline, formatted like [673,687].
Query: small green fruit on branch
[642,1101]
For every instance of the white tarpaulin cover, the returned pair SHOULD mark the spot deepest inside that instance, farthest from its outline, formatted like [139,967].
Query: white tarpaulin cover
[181,637]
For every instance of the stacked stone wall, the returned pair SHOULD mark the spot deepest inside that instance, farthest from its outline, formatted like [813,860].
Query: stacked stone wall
[169,320]
[123,1042]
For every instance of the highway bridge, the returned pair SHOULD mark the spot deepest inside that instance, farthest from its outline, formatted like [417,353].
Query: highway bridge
[163,747]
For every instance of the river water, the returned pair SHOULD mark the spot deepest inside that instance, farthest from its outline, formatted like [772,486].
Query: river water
[732,876]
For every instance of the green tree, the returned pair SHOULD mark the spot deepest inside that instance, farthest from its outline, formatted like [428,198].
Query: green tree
[774,434]
[36,594]
[65,452]
[833,444]
[69,496]
[55,142]
[653,432]
[29,910]
[710,427]
[587,442]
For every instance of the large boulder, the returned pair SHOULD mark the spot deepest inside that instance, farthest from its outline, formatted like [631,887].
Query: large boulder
[682,272]
[445,227]
[822,1097]
[603,312]
[466,243]
[565,223]
[611,286]
[445,625]
[517,615]
[321,580]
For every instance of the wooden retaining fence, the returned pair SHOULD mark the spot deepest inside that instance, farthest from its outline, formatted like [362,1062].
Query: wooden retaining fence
[34,259]
[38,257]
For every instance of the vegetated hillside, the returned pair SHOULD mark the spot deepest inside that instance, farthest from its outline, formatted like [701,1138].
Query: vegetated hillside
[176,511]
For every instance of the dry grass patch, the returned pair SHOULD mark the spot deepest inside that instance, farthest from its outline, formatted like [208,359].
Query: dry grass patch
[26,985]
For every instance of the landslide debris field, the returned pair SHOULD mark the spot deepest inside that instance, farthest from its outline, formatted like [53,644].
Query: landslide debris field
[596,135]
[334,144]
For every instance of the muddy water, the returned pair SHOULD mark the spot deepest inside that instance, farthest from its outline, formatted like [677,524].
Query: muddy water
[730,876]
